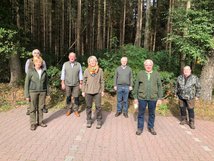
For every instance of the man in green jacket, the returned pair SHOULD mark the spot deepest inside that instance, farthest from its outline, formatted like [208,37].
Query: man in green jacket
[147,90]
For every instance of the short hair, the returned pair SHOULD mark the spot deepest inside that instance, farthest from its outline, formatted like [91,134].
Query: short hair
[36,51]
[37,59]
[148,61]
[72,53]
[124,58]
[187,67]
[92,58]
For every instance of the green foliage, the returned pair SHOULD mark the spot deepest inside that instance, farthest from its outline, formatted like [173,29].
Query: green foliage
[168,81]
[163,109]
[192,33]
[54,76]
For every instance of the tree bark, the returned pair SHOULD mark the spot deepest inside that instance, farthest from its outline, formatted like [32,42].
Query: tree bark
[138,37]
[99,37]
[123,24]
[147,26]
[207,78]
[79,10]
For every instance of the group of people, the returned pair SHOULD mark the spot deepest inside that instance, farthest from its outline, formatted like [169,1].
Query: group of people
[147,90]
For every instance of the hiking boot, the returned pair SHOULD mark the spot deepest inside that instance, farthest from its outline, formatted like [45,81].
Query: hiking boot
[42,124]
[183,120]
[76,113]
[152,131]
[139,131]
[125,115]
[68,112]
[89,125]
[99,125]
[192,123]
[117,114]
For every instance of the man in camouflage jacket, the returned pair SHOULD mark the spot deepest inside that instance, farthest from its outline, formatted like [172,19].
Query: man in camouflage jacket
[187,89]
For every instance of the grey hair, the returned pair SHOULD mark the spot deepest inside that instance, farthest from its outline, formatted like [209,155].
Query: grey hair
[124,58]
[72,53]
[92,58]
[148,61]
[36,51]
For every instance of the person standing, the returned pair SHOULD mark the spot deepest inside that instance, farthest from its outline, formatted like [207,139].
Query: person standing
[147,91]
[188,90]
[93,88]
[36,90]
[30,65]
[123,82]
[71,82]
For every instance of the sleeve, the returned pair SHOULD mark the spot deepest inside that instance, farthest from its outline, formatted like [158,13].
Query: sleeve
[80,74]
[63,72]
[160,89]
[27,84]
[176,87]
[44,65]
[115,78]
[27,65]
[131,78]
[136,87]
[84,80]
[47,85]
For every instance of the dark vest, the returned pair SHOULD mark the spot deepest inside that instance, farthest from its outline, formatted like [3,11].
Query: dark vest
[72,74]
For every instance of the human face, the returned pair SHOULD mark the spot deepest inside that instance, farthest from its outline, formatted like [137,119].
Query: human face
[72,57]
[187,71]
[92,63]
[148,66]
[37,64]
[123,62]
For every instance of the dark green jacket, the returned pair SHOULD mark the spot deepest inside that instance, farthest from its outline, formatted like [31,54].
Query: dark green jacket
[34,84]
[148,89]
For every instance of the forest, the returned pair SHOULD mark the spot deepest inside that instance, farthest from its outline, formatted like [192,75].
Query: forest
[173,33]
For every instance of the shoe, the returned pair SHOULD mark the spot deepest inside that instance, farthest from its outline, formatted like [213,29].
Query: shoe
[33,127]
[28,112]
[42,125]
[117,114]
[152,131]
[45,110]
[68,112]
[88,125]
[99,125]
[183,120]
[125,115]
[139,131]
[77,114]
[192,123]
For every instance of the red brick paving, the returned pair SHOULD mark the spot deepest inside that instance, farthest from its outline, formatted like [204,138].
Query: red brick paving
[68,139]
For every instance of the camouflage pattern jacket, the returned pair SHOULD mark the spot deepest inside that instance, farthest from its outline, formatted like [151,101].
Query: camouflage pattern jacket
[187,88]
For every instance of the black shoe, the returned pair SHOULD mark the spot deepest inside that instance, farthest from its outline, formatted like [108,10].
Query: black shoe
[42,125]
[45,110]
[33,127]
[117,114]
[125,115]
[28,112]
[152,131]
[139,131]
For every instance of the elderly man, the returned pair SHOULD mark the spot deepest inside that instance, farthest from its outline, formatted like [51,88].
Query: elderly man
[29,65]
[71,82]
[187,89]
[123,84]
[147,90]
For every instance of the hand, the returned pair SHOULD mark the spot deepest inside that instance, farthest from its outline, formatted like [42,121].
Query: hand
[28,99]
[63,86]
[130,88]
[83,94]
[115,88]
[80,86]
[196,98]
[159,102]
[102,94]
[135,101]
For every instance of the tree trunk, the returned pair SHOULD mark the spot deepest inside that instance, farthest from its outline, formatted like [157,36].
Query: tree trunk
[123,24]
[147,26]
[207,78]
[14,62]
[79,27]
[99,37]
[104,24]
[138,36]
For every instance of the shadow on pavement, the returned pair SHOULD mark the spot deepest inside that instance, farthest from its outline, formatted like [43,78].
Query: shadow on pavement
[55,115]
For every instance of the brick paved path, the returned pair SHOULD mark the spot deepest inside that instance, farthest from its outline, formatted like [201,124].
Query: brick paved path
[68,139]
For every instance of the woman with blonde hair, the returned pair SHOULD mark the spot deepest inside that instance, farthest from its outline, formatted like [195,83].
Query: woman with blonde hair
[36,88]
[93,88]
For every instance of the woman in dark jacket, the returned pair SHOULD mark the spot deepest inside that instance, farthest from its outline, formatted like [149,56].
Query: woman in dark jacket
[36,87]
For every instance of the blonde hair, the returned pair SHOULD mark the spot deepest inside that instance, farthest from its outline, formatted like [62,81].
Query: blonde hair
[37,59]
[92,58]
[36,51]
[124,58]
[148,61]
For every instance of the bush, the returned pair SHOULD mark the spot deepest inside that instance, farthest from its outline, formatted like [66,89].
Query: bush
[54,76]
